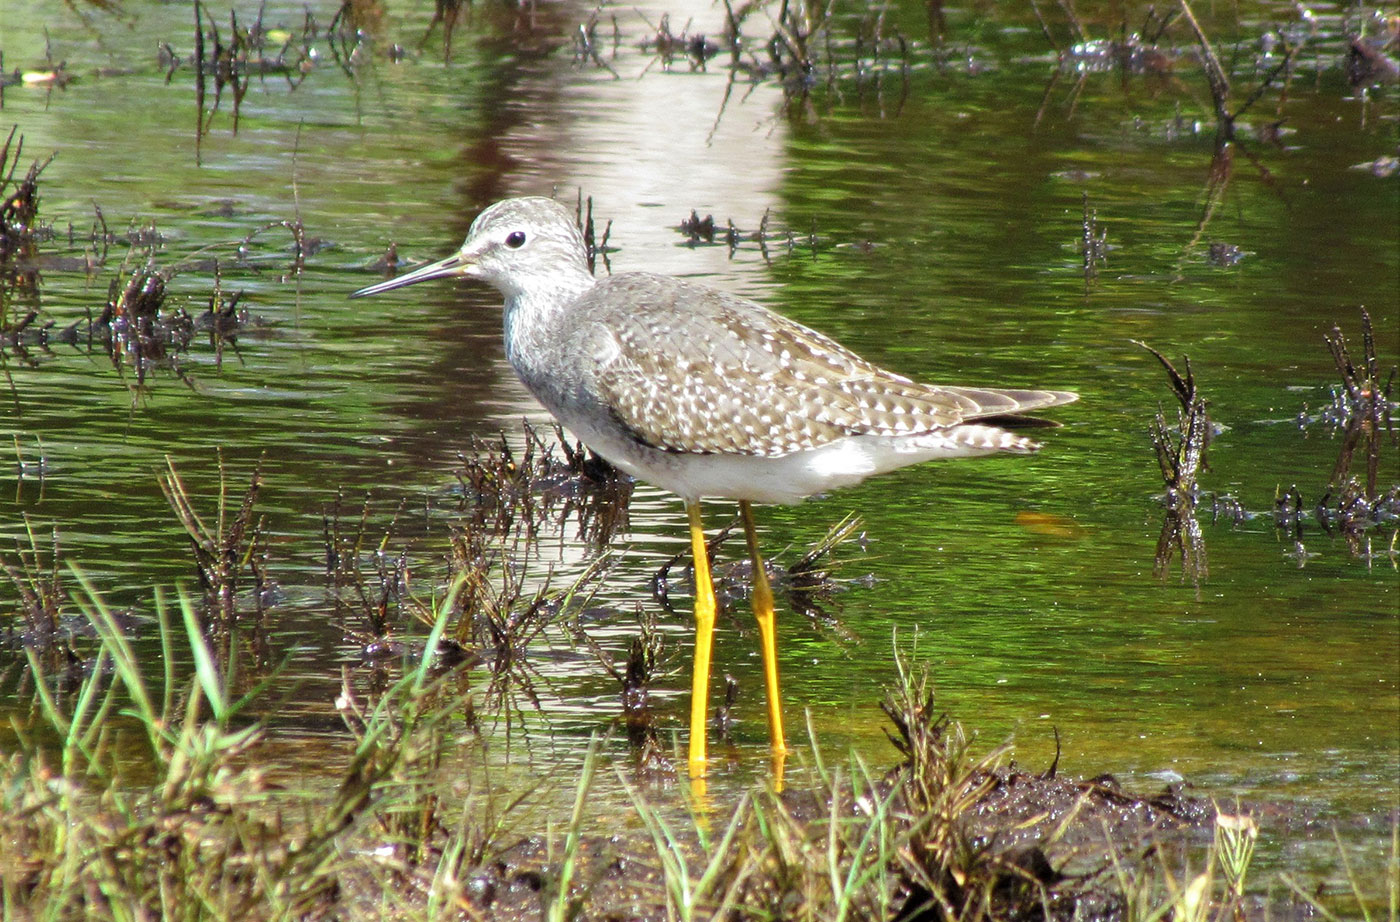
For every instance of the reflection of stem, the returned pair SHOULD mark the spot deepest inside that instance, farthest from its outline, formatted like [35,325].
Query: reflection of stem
[1045,98]
[1215,74]
[1217,180]
[1181,533]
[1045,29]
[723,104]
[1076,93]
[198,84]
[1267,82]
[1074,20]
[938,23]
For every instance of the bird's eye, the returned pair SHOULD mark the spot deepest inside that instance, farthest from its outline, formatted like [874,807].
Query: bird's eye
[515,240]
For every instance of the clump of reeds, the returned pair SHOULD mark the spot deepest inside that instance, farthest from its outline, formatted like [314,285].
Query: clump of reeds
[20,228]
[139,795]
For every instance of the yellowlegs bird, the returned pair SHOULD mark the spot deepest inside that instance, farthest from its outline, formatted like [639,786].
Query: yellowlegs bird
[709,395]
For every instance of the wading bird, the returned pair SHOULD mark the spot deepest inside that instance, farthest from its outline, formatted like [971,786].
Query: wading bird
[706,394]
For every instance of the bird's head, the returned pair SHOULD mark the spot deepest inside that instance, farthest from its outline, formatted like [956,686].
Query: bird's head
[516,245]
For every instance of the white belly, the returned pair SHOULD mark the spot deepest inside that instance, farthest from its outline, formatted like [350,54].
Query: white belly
[790,478]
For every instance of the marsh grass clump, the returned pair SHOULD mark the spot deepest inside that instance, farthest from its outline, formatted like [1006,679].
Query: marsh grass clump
[1181,449]
[135,327]
[647,655]
[947,872]
[694,48]
[42,621]
[1357,504]
[20,229]
[708,231]
[141,326]
[1363,407]
[501,614]
[505,490]
[250,50]
[1138,51]
[19,202]
[365,580]
[86,839]
[224,320]
[1181,456]
[140,796]
[233,544]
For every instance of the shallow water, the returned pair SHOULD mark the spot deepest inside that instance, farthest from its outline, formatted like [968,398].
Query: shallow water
[947,199]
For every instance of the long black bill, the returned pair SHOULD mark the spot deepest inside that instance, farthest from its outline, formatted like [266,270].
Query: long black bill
[443,268]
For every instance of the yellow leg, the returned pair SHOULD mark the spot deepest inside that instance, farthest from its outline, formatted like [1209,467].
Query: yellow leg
[704,638]
[767,633]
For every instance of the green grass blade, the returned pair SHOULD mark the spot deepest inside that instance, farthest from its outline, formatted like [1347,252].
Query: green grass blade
[205,671]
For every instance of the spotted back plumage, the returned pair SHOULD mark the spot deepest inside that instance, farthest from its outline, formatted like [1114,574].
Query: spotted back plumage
[697,370]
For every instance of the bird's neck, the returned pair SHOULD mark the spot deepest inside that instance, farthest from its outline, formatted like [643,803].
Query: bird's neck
[534,312]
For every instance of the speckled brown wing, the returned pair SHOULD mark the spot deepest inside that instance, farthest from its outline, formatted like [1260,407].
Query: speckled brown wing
[696,370]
